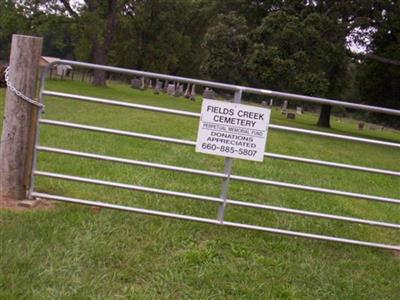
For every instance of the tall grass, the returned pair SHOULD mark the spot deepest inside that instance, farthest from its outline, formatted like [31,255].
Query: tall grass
[71,252]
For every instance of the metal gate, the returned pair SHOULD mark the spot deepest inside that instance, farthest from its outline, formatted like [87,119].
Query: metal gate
[226,175]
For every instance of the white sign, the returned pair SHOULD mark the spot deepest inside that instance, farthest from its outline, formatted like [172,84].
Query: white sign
[233,130]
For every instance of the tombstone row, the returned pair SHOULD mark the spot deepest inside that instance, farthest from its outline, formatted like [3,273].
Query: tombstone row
[177,89]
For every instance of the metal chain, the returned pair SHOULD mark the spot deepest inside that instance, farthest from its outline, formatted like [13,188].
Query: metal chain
[19,93]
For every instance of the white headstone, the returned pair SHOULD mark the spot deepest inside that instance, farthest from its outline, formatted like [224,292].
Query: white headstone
[284,107]
[193,93]
[171,89]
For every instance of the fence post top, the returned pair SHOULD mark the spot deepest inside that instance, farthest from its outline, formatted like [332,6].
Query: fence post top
[26,36]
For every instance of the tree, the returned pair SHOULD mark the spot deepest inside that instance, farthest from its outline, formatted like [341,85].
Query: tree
[35,17]
[12,20]
[379,80]
[162,36]
[299,55]
[225,44]
[98,21]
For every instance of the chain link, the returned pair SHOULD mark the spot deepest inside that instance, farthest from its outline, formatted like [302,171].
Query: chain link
[19,93]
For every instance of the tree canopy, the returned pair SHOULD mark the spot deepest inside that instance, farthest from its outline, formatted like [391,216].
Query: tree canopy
[293,46]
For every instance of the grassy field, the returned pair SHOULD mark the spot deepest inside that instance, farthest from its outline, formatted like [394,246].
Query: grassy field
[70,252]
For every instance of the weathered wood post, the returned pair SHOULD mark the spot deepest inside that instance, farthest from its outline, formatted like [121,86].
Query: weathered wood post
[18,129]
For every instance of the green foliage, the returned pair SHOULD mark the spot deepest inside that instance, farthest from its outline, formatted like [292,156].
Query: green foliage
[298,55]
[293,46]
[226,43]
[12,21]
[379,83]
[162,36]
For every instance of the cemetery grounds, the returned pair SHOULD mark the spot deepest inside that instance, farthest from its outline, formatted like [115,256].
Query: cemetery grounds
[66,251]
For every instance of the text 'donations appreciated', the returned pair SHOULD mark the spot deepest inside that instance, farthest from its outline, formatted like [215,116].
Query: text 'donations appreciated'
[233,130]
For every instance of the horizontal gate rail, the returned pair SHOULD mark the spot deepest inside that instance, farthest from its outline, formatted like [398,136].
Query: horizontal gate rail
[121,104]
[117,132]
[217,175]
[127,186]
[221,201]
[331,164]
[225,86]
[216,222]
[336,136]
[197,115]
[234,177]
[130,162]
[316,189]
[270,155]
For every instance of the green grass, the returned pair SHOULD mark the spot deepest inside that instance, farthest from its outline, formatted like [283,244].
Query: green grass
[71,253]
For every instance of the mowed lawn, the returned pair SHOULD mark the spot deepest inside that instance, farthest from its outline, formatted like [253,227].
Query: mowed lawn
[72,252]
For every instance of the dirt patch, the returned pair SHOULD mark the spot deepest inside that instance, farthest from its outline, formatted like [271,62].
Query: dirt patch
[15,205]
[396,254]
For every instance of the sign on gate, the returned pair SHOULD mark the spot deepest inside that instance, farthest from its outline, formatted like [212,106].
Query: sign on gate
[225,129]
[233,130]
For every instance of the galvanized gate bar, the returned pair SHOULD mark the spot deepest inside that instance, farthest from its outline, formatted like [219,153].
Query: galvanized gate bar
[315,189]
[227,176]
[235,177]
[217,175]
[127,186]
[331,164]
[229,87]
[336,136]
[192,143]
[215,222]
[197,115]
[118,132]
[121,104]
[131,162]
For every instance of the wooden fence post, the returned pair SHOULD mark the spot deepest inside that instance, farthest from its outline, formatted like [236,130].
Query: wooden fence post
[16,145]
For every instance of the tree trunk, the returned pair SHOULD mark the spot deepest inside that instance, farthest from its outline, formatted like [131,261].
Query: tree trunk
[325,116]
[100,58]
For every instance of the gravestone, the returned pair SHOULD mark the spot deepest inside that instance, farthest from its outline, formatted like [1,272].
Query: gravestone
[181,90]
[158,87]
[143,84]
[178,90]
[208,93]
[187,92]
[284,107]
[165,88]
[193,93]
[264,103]
[271,102]
[150,84]
[291,116]
[299,110]
[136,83]
[171,89]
